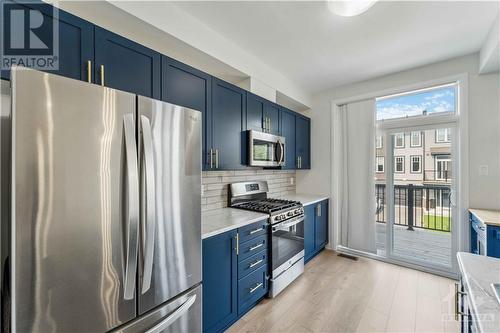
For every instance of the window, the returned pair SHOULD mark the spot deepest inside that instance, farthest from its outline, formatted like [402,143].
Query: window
[379,141]
[416,139]
[380,161]
[443,135]
[416,164]
[399,140]
[399,164]
[418,103]
[443,167]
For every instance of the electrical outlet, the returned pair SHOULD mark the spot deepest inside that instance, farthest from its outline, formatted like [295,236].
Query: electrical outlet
[483,170]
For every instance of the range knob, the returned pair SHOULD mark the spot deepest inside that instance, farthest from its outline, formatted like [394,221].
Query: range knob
[298,211]
[289,214]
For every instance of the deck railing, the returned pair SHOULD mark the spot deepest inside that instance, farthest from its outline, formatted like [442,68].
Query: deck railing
[417,206]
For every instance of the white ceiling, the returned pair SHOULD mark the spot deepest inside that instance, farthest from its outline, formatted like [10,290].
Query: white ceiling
[318,50]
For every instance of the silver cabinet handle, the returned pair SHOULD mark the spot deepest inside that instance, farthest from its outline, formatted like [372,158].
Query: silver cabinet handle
[102,75]
[132,227]
[318,210]
[89,71]
[216,158]
[237,244]
[255,288]
[255,263]
[162,325]
[254,231]
[255,247]
[148,196]
[211,158]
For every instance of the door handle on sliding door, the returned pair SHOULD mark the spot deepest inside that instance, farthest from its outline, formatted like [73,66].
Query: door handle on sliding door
[132,222]
[148,204]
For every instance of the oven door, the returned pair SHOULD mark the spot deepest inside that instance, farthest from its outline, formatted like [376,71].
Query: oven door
[265,149]
[287,244]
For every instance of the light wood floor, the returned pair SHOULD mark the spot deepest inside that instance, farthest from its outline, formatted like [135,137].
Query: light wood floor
[336,294]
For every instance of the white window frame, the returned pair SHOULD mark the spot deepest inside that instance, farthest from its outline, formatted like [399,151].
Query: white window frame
[440,159]
[396,140]
[447,135]
[379,142]
[419,163]
[460,186]
[419,139]
[377,164]
[396,164]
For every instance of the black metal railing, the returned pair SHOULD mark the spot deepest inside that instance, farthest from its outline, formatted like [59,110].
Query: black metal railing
[417,206]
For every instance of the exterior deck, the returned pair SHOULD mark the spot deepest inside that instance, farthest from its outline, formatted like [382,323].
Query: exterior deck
[428,245]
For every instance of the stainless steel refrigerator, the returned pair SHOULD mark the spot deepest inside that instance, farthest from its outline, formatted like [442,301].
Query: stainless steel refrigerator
[105,221]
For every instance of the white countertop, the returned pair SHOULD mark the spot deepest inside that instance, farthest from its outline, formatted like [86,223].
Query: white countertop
[306,199]
[218,221]
[478,273]
[487,216]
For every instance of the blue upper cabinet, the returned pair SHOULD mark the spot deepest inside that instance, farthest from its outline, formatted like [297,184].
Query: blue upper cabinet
[255,112]
[288,131]
[262,115]
[272,114]
[76,40]
[302,143]
[186,86]
[127,65]
[226,124]
[220,276]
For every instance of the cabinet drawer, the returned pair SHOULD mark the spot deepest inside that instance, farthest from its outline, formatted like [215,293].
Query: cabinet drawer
[251,264]
[253,230]
[251,247]
[251,288]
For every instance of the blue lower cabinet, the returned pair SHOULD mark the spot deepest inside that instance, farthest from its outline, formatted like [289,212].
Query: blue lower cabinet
[315,228]
[484,238]
[220,276]
[235,276]
[309,236]
[251,289]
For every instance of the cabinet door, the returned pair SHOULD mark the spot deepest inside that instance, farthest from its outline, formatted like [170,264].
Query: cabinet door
[321,225]
[309,236]
[303,137]
[288,131]
[272,112]
[188,87]
[220,291]
[255,112]
[76,40]
[228,121]
[127,65]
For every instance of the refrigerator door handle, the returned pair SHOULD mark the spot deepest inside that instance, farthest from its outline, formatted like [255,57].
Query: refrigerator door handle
[132,227]
[149,196]
[174,316]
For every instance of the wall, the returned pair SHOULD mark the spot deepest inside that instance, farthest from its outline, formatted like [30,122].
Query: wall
[215,184]
[484,126]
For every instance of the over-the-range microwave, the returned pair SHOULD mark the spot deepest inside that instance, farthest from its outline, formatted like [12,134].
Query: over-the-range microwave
[265,149]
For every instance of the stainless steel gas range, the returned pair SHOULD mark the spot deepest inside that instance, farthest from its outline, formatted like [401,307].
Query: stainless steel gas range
[286,236]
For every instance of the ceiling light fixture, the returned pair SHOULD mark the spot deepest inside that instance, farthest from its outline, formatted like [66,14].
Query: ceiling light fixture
[349,7]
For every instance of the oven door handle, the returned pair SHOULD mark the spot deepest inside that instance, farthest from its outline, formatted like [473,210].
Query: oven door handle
[290,223]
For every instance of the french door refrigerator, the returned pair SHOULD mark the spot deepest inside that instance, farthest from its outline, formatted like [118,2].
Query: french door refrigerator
[106,209]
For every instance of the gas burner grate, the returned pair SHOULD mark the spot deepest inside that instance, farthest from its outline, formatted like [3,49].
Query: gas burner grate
[268,205]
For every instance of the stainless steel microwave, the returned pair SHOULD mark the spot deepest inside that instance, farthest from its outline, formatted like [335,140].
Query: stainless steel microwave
[266,150]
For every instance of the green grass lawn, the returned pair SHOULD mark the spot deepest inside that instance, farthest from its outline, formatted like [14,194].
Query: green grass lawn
[437,222]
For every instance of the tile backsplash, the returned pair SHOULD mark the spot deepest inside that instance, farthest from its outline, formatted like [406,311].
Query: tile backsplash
[215,184]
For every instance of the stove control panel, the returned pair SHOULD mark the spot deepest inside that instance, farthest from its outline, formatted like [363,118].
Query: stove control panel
[279,217]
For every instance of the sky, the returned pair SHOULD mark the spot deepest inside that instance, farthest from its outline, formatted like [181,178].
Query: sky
[433,101]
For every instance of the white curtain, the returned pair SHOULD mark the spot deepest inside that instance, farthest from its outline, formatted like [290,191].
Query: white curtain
[357,188]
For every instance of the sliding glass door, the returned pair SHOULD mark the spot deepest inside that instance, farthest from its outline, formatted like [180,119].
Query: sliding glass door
[420,213]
